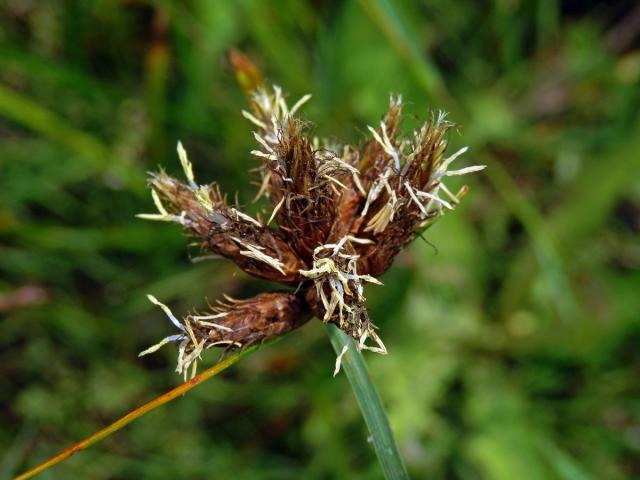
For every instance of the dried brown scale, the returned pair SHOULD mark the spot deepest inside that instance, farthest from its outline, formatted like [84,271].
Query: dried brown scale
[274,246]
[308,211]
[342,213]
[349,204]
[255,320]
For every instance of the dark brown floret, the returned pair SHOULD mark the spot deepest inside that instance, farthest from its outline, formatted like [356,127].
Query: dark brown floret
[254,320]
[226,231]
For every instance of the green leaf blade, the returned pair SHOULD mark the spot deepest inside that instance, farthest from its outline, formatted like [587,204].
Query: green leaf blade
[370,405]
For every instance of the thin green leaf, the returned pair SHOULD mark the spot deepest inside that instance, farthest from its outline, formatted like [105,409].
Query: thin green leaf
[370,404]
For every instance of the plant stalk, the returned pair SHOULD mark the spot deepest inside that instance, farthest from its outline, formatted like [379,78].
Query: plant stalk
[370,405]
[140,411]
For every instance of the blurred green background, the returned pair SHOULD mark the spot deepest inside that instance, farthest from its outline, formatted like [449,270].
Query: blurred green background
[514,348]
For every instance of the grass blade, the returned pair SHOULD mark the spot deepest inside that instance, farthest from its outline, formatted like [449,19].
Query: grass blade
[370,405]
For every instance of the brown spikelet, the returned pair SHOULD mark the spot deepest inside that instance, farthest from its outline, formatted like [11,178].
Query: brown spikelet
[233,324]
[259,318]
[223,230]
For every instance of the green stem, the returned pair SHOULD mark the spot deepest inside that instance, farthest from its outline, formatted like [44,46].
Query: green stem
[370,404]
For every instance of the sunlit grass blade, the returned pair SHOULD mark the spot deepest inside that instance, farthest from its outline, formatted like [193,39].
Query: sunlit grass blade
[140,411]
[370,404]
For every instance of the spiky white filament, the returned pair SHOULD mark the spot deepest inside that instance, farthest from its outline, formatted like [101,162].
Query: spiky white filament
[275,210]
[200,319]
[448,193]
[413,196]
[261,140]
[442,170]
[167,312]
[188,338]
[385,143]
[161,343]
[254,251]
[254,120]
[375,190]
[163,216]
[386,213]
[274,111]
[157,202]
[447,161]
[464,171]
[339,360]
[435,198]
[245,217]
[298,104]
[186,166]
[336,277]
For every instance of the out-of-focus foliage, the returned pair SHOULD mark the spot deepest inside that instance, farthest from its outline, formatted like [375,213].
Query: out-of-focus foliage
[514,350]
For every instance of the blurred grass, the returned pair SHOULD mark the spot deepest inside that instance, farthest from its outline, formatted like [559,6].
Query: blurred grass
[513,350]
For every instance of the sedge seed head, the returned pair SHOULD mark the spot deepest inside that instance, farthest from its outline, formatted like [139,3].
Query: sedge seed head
[339,215]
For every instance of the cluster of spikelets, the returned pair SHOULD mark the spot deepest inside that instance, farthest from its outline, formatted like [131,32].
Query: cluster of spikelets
[340,214]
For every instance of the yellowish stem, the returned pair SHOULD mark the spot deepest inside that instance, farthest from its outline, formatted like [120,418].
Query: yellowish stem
[138,412]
